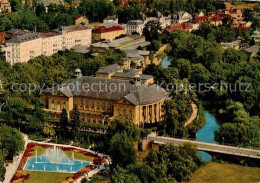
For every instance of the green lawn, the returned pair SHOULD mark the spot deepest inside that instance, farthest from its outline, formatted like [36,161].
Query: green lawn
[78,156]
[47,177]
[217,172]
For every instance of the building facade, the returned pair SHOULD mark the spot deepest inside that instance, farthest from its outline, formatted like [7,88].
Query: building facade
[139,102]
[75,35]
[24,47]
[5,6]
[111,19]
[31,44]
[135,26]
[81,20]
[107,33]
[51,43]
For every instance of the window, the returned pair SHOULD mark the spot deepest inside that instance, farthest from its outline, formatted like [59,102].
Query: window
[81,103]
[109,107]
[124,111]
[92,105]
[100,121]
[103,106]
[53,105]
[82,118]
[94,120]
[130,113]
[58,106]
[86,104]
[88,120]
[98,105]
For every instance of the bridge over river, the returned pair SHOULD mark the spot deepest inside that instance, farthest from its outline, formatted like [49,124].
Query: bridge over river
[208,147]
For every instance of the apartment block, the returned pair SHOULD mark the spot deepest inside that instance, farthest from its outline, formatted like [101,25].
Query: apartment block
[31,44]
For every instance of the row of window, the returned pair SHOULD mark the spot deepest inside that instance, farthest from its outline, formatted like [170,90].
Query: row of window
[124,112]
[58,105]
[93,104]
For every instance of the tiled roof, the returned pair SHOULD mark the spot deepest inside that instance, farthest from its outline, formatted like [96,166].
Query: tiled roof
[135,93]
[16,31]
[109,69]
[49,34]
[25,37]
[182,26]
[78,16]
[114,17]
[72,28]
[102,29]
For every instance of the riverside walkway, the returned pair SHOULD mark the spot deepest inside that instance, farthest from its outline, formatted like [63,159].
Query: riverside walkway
[208,147]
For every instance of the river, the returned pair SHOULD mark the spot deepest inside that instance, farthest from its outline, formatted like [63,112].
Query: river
[206,133]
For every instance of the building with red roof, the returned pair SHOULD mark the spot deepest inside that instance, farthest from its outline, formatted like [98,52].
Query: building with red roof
[108,33]
[81,20]
[183,26]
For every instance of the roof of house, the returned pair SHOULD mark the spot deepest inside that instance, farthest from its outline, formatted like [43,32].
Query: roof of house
[79,16]
[109,69]
[200,19]
[252,49]
[131,75]
[49,34]
[114,17]
[25,37]
[16,31]
[117,42]
[89,87]
[102,29]
[182,26]
[72,28]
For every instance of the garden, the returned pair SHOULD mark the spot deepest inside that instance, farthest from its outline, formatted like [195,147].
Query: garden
[55,163]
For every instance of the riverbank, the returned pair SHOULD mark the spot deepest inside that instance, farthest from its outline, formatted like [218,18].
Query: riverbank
[225,172]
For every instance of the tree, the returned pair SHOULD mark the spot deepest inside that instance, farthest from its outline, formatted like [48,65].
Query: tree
[2,168]
[199,74]
[248,15]
[231,56]
[75,123]
[64,122]
[122,150]
[122,175]
[183,66]
[152,30]
[40,9]
[171,162]
[49,131]
[12,141]
[154,46]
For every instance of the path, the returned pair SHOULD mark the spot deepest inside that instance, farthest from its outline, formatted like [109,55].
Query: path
[208,147]
[193,115]
[156,59]
[91,173]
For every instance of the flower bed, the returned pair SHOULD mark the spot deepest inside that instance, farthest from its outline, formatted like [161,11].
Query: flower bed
[22,175]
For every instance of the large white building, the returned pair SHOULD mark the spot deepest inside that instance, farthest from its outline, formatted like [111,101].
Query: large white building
[23,48]
[75,35]
[51,43]
[181,17]
[135,26]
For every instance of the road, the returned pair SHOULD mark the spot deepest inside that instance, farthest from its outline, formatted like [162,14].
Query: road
[208,147]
